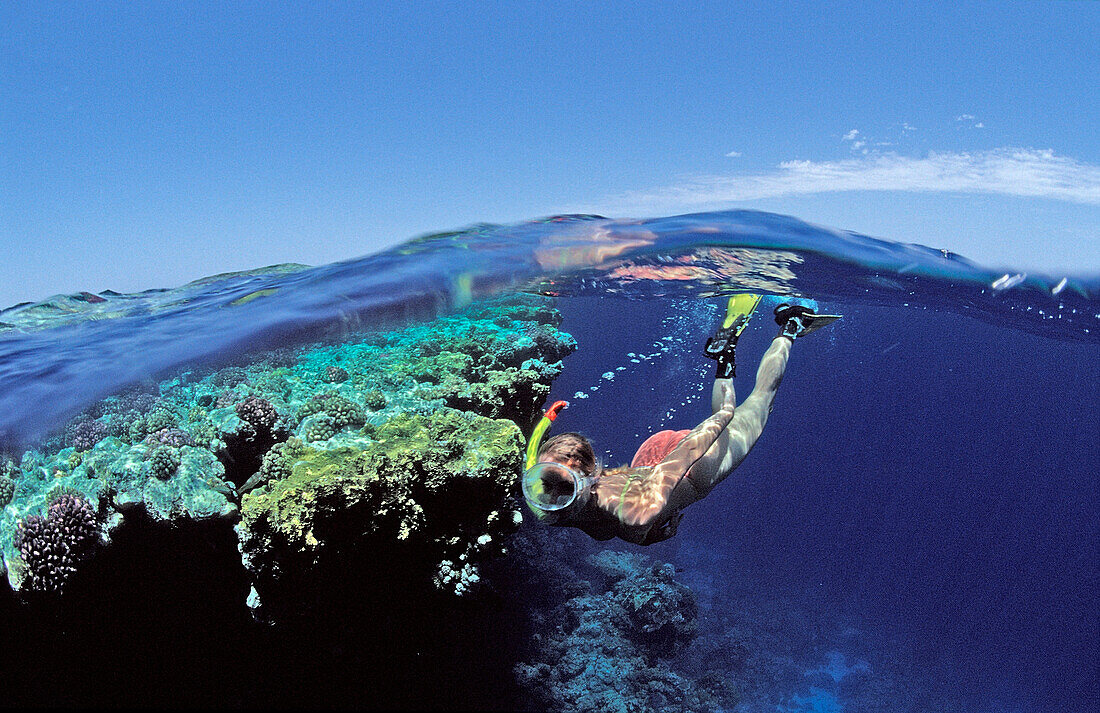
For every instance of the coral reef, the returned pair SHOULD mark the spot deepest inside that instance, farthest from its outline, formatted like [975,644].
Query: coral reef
[441,480]
[87,433]
[164,461]
[611,646]
[257,412]
[406,441]
[336,374]
[54,546]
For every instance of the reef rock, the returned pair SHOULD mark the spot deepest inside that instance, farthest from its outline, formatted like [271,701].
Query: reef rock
[610,648]
[396,451]
[440,483]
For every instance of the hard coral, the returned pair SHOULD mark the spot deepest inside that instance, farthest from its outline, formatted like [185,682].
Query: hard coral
[7,490]
[438,482]
[374,399]
[335,375]
[258,412]
[606,650]
[319,428]
[274,466]
[54,546]
[88,433]
[342,411]
[170,437]
[164,461]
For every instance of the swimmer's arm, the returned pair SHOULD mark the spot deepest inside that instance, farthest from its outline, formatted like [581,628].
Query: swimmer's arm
[645,501]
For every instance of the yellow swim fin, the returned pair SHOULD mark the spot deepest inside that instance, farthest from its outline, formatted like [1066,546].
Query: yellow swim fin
[738,311]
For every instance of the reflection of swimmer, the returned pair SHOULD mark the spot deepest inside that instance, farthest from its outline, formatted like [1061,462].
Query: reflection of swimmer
[643,503]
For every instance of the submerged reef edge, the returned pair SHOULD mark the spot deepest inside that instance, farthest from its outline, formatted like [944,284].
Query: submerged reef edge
[408,440]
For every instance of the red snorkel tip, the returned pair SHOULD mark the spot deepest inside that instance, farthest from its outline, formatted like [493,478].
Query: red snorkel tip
[555,409]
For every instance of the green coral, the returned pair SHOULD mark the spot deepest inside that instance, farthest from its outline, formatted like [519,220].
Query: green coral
[163,462]
[197,490]
[159,418]
[7,489]
[508,393]
[374,399]
[294,447]
[320,427]
[155,420]
[430,475]
[275,465]
[342,411]
[204,430]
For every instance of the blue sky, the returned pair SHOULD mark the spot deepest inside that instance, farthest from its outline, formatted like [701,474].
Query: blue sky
[146,145]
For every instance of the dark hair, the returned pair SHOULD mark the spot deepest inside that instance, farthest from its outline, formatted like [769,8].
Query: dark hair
[570,449]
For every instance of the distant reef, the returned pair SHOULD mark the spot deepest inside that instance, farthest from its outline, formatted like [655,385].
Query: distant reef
[609,631]
[397,450]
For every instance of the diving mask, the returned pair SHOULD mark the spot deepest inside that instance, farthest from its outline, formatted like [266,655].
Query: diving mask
[551,489]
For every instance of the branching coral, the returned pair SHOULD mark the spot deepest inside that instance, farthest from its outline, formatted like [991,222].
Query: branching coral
[54,546]
[87,433]
[257,412]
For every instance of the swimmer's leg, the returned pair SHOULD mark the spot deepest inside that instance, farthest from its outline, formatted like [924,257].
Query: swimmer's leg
[722,346]
[748,420]
[722,395]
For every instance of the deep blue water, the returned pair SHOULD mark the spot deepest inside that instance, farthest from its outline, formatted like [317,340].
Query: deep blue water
[934,474]
[928,476]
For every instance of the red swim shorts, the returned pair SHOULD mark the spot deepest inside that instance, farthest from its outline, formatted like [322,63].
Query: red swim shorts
[657,446]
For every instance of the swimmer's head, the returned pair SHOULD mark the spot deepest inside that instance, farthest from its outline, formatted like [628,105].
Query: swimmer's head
[571,450]
[560,484]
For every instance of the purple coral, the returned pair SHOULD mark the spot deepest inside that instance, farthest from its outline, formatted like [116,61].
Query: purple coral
[133,401]
[54,546]
[336,374]
[88,433]
[258,412]
[174,437]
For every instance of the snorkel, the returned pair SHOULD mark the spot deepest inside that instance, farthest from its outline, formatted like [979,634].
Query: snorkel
[553,491]
[535,442]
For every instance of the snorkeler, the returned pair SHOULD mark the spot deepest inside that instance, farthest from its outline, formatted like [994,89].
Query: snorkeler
[565,485]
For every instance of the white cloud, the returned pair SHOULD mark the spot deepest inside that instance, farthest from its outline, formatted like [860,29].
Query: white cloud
[1006,171]
[850,135]
[979,125]
[964,117]
[734,154]
[906,127]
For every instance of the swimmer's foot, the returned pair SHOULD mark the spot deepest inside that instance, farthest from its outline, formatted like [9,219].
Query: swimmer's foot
[721,347]
[798,321]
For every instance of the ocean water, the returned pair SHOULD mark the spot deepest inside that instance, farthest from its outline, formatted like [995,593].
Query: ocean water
[918,528]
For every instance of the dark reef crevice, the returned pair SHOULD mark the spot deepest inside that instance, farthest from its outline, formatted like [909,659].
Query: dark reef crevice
[159,619]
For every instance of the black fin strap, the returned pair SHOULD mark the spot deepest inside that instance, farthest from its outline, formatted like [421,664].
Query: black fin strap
[722,347]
